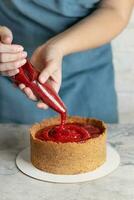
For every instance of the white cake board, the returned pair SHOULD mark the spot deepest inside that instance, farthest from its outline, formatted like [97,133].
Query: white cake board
[24,164]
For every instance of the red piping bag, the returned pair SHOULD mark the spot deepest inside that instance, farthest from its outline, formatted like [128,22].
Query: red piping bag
[28,75]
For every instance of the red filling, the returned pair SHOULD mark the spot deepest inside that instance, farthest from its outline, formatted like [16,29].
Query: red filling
[68,133]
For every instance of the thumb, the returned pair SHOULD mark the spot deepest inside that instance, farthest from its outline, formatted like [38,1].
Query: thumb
[49,69]
[6,35]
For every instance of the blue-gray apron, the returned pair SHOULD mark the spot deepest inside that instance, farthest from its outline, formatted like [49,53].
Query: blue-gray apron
[88,77]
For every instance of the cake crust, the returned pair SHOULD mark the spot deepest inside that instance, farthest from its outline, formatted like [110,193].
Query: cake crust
[71,157]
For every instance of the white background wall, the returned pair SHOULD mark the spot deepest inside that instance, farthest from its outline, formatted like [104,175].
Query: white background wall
[123,50]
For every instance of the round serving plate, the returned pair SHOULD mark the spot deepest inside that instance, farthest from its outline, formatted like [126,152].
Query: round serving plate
[24,164]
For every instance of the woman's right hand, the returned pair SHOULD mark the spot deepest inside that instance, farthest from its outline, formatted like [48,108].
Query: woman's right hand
[12,56]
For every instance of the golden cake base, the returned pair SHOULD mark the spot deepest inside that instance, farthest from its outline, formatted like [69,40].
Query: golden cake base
[68,158]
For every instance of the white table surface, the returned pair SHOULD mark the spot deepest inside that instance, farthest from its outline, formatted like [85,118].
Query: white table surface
[14,185]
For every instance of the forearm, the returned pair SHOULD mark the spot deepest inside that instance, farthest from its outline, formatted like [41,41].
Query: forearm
[93,31]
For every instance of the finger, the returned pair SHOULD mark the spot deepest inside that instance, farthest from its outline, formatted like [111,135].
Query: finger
[9,57]
[55,86]
[10,48]
[12,65]
[6,35]
[29,93]
[42,105]
[47,72]
[22,86]
[10,72]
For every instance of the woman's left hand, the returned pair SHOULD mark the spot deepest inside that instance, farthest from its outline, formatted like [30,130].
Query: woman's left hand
[48,60]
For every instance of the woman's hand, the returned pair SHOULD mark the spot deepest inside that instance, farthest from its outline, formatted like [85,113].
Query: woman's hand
[48,60]
[12,56]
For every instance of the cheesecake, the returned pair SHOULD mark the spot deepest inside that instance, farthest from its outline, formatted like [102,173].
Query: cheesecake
[79,150]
